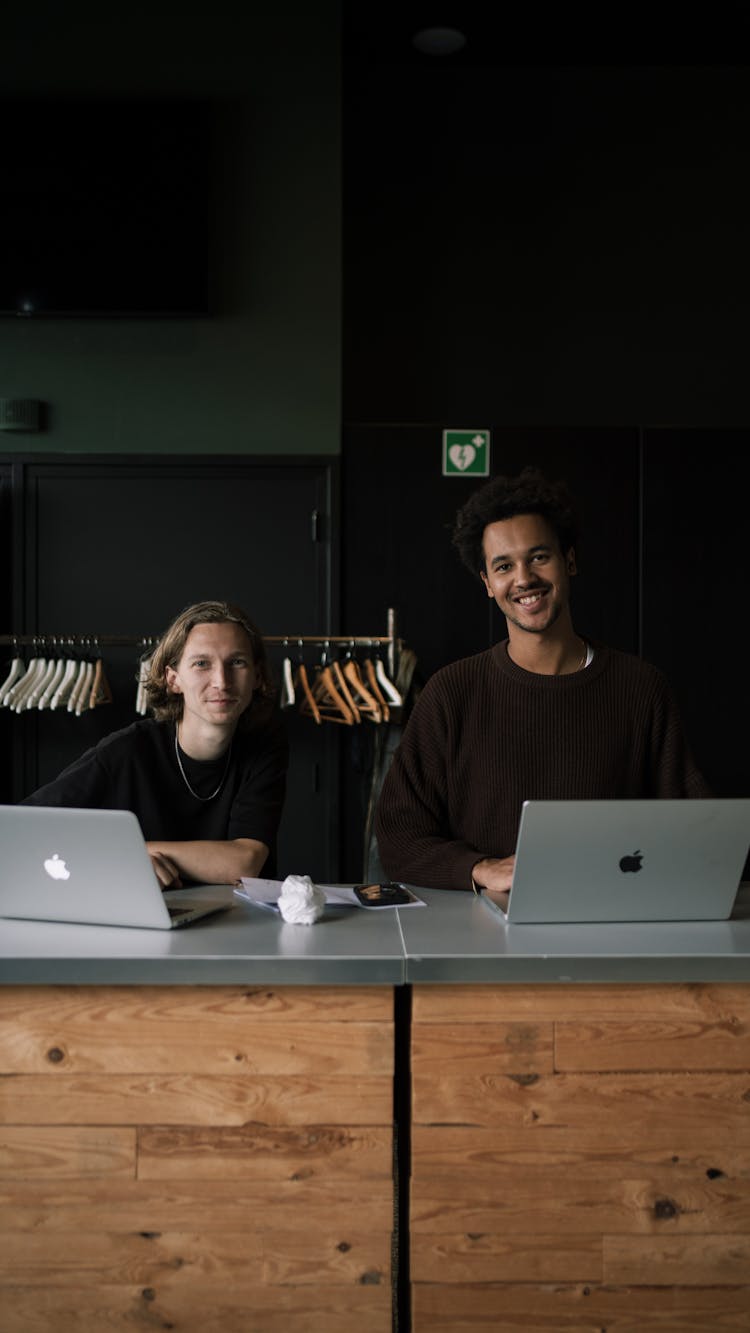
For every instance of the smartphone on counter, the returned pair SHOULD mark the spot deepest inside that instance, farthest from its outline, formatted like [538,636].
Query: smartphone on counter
[384,895]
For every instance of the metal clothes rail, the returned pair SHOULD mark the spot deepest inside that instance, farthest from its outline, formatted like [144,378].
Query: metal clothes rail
[144,641]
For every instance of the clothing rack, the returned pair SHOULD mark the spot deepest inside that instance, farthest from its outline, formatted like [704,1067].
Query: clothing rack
[144,641]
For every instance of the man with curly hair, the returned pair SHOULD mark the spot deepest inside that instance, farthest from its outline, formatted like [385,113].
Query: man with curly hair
[206,775]
[545,714]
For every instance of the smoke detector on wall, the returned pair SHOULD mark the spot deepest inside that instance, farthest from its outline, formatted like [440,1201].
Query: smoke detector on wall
[22,414]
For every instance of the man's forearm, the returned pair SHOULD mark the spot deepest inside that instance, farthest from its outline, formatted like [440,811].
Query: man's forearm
[214,862]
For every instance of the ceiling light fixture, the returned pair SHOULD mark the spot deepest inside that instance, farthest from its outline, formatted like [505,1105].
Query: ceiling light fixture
[438,41]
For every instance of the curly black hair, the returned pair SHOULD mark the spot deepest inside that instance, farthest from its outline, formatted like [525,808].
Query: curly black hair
[504,497]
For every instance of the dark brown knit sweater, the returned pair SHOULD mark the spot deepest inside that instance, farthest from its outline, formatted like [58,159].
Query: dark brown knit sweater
[486,735]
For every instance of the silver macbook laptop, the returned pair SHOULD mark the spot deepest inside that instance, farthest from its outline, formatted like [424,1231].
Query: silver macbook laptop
[91,867]
[638,860]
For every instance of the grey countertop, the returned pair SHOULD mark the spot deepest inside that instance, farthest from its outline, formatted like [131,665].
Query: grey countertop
[349,946]
[461,939]
[455,938]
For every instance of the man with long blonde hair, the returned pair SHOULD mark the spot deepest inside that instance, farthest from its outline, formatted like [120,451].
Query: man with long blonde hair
[205,776]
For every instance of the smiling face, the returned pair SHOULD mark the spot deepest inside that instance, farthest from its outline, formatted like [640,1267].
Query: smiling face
[216,676]
[526,572]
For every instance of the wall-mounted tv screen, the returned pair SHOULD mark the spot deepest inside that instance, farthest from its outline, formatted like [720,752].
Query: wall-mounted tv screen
[106,206]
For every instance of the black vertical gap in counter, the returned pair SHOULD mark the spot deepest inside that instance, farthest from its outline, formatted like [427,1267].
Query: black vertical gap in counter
[401,1284]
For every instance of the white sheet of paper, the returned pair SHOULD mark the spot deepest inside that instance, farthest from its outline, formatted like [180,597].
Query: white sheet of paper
[265,893]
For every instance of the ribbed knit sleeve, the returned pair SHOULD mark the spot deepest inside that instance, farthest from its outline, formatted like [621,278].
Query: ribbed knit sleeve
[485,736]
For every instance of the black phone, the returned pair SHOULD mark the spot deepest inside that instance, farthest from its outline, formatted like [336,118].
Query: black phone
[383,895]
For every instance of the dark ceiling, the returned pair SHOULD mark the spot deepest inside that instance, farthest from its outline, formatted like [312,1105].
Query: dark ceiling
[532,33]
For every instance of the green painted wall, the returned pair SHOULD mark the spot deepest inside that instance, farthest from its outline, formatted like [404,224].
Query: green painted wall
[263,377]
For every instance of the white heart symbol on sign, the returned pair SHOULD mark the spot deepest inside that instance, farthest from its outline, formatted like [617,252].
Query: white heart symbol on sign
[462,455]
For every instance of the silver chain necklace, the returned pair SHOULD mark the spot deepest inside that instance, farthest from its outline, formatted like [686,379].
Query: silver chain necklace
[184,775]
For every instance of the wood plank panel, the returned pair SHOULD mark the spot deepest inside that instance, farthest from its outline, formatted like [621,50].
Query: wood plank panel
[168,1259]
[196,1158]
[677,1260]
[349,1257]
[595,1109]
[257,1152]
[33,1152]
[565,1205]
[211,1308]
[648,1044]
[116,1204]
[445,1150]
[508,1257]
[78,1007]
[544,1003]
[299,1048]
[610,1193]
[556,1308]
[194,1099]
[487,1048]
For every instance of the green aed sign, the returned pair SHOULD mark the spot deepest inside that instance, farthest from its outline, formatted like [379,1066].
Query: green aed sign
[466,453]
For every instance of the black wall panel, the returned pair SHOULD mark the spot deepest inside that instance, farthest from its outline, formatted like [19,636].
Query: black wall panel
[6,603]
[696,512]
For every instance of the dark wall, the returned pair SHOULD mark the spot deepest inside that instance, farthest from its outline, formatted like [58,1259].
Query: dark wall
[543,243]
[696,505]
[555,250]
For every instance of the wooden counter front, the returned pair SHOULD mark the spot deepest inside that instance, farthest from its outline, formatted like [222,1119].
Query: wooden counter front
[580,1158]
[212,1159]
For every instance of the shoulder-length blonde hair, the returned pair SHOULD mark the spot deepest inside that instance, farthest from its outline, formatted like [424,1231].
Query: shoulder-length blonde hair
[167,706]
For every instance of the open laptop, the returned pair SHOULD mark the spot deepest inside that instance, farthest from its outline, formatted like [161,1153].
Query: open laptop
[91,867]
[636,860]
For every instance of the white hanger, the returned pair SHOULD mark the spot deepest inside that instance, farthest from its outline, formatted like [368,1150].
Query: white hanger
[23,686]
[83,696]
[15,672]
[386,685]
[288,695]
[51,686]
[78,685]
[62,693]
[43,676]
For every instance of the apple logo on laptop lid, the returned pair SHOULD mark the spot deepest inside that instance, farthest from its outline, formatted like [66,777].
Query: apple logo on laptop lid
[56,867]
[631,863]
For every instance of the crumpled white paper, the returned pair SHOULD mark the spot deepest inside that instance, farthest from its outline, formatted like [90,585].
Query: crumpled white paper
[301,902]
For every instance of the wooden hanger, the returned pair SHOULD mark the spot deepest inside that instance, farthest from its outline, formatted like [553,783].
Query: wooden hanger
[308,704]
[368,703]
[343,687]
[100,692]
[331,702]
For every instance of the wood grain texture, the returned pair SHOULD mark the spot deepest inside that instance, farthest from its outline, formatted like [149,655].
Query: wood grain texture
[559,1308]
[201,1099]
[212,1307]
[594,1109]
[144,1032]
[608,1047]
[578,1002]
[187,1258]
[47,1152]
[608,1189]
[196,1159]
[116,1204]
[259,1152]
